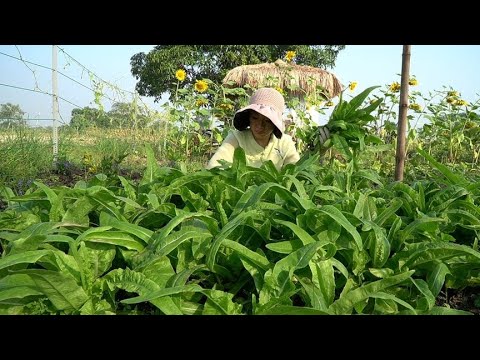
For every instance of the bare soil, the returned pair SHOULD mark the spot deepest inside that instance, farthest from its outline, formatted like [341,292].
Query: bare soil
[467,299]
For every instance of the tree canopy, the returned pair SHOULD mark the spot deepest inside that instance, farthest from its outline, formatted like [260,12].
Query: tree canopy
[11,115]
[155,71]
[121,115]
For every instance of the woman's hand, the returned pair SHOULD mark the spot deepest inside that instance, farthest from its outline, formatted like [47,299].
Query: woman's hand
[323,134]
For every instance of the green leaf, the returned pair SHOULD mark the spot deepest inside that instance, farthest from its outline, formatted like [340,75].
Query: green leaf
[160,271]
[182,277]
[381,273]
[220,303]
[56,209]
[379,247]
[373,106]
[94,260]
[245,253]
[34,235]
[386,296]
[436,278]
[79,210]
[386,213]
[359,99]
[226,231]
[341,145]
[163,292]
[142,233]
[344,305]
[324,277]
[428,252]
[106,199]
[313,292]
[438,310]
[177,220]
[419,224]
[27,257]
[117,238]
[428,296]
[253,196]
[285,247]
[369,175]
[17,286]
[283,269]
[128,188]
[337,216]
[133,281]
[292,310]
[152,170]
[60,288]
[304,236]
[170,242]
[453,178]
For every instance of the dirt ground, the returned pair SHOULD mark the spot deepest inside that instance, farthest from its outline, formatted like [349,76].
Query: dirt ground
[467,299]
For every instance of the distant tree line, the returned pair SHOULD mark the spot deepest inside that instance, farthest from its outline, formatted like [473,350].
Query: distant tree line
[121,115]
[11,116]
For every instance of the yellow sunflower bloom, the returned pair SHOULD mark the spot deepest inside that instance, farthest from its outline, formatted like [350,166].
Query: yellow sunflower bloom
[201,102]
[290,55]
[280,90]
[452,93]
[225,106]
[394,87]
[180,75]
[330,103]
[413,82]
[353,85]
[461,102]
[201,86]
[415,107]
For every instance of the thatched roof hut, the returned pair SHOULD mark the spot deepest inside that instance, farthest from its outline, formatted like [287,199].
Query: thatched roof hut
[297,80]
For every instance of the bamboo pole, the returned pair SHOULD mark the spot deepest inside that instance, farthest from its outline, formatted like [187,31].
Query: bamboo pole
[402,114]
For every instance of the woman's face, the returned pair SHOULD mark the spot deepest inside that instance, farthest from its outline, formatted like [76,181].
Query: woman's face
[260,125]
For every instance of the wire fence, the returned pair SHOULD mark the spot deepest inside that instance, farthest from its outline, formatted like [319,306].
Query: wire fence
[104,94]
[100,89]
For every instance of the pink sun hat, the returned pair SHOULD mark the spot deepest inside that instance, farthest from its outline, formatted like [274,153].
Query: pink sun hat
[268,102]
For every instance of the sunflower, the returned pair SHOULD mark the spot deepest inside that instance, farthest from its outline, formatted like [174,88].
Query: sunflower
[413,82]
[180,75]
[394,87]
[461,102]
[289,56]
[201,86]
[415,107]
[201,102]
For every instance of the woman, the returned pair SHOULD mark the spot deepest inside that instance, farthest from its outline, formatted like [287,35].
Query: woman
[259,130]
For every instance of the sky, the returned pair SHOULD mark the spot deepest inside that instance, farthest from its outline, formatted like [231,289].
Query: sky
[434,66]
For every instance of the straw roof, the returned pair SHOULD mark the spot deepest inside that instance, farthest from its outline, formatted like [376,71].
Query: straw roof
[298,80]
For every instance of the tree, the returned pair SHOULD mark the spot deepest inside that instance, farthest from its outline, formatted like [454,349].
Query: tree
[86,117]
[127,115]
[11,116]
[155,71]
[122,115]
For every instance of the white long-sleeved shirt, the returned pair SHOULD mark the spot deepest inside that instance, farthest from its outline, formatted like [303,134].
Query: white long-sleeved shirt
[280,151]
